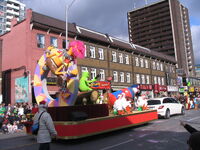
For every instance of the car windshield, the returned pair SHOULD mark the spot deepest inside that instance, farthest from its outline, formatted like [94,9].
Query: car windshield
[153,102]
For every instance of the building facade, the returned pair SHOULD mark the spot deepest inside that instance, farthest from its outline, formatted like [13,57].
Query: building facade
[8,10]
[164,27]
[108,56]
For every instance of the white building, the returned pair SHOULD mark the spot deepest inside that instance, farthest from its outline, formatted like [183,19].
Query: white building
[8,10]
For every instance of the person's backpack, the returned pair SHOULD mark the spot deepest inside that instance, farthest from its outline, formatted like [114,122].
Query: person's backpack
[35,126]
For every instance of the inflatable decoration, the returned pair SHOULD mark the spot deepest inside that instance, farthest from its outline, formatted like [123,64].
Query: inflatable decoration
[122,105]
[63,64]
[129,92]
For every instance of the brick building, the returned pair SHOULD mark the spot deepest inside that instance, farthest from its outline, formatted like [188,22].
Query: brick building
[164,27]
[127,63]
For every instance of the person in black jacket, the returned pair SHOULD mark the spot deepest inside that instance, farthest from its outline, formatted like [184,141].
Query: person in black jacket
[193,141]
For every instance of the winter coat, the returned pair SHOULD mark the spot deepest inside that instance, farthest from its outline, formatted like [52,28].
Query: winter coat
[46,128]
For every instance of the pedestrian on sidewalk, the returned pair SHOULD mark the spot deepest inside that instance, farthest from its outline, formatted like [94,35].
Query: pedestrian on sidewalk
[46,127]
[193,141]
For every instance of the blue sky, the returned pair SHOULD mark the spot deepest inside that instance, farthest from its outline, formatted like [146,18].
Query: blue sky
[110,16]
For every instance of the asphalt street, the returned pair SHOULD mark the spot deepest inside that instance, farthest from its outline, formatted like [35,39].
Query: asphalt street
[162,134]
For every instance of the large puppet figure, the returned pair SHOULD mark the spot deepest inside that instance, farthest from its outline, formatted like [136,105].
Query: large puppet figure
[85,83]
[63,64]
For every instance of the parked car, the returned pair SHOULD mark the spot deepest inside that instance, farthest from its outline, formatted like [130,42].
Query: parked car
[166,106]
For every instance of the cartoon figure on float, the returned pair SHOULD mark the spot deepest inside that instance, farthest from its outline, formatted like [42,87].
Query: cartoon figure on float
[85,83]
[141,102]
[86,91]
[63,64]
[121,97]
[122,105]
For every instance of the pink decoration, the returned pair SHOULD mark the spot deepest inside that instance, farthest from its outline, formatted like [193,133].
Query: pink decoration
[78,49]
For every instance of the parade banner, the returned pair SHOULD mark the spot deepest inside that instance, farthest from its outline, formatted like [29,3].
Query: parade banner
[21,89]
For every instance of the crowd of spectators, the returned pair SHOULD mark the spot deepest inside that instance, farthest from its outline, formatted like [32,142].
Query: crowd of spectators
[12,117]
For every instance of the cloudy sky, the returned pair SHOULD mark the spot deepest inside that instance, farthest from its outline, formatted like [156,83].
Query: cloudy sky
[110,16]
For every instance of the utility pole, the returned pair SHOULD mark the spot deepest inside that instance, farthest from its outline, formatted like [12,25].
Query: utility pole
[67,9]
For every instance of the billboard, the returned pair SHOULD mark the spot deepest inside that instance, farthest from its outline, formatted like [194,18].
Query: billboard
[21,89]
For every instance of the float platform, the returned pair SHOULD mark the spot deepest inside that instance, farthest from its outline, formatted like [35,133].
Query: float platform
[93,126]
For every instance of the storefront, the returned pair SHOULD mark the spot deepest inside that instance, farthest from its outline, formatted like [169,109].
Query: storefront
[147,90]
[160,90]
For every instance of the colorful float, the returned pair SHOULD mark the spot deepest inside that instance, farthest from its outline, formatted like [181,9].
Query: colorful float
[84,107]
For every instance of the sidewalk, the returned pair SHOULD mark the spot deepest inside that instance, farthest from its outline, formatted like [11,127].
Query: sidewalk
[11,135]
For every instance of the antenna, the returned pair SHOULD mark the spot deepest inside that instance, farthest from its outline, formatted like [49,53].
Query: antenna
[134,4]
[146,2]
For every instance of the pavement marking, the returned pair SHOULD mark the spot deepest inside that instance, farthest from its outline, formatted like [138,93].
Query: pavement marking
[20,146]
[193,118]
[179,141]
[109,147]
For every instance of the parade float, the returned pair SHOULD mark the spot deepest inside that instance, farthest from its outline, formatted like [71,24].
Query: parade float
[83,107]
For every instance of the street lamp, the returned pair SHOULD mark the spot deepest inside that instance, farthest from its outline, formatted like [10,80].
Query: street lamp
[67,9]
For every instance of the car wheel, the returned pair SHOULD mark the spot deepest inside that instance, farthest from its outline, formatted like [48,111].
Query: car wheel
[182,111]
[167,114]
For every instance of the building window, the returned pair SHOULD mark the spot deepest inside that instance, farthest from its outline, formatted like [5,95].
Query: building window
[170,69]
[54,41]
[93,73]
[121,76]
[121,58]
[101,54]
[146,63]
[138,78]
[163,81]
[155,79]
[147,79]
[166,68]
[92,52]
[126,59]
[158,66]
[141,62]
[159,81]
[2,20]
[154,65]
[64,44]
[114,56]
[85,50]
[128,77]
[115,76]
[40,41]
[136,61]
[173,69]
[143,79]
[102,74]
[84,69]
[161,67]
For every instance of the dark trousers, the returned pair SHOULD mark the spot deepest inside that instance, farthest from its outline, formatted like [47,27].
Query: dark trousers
[44,146]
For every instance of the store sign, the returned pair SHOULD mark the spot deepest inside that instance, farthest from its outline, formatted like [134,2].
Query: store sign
[191,89]
[163,88]
[21,89]
[145,87]
[172,88]
[100,85]
[156,88]
[183,89]
[179,81]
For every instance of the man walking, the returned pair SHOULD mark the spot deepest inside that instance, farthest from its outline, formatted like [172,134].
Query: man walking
[46,127]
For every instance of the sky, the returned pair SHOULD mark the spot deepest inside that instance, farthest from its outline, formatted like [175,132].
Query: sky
[110,16]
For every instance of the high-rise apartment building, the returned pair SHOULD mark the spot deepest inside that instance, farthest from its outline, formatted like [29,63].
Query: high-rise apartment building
[164,27]
[8,10]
